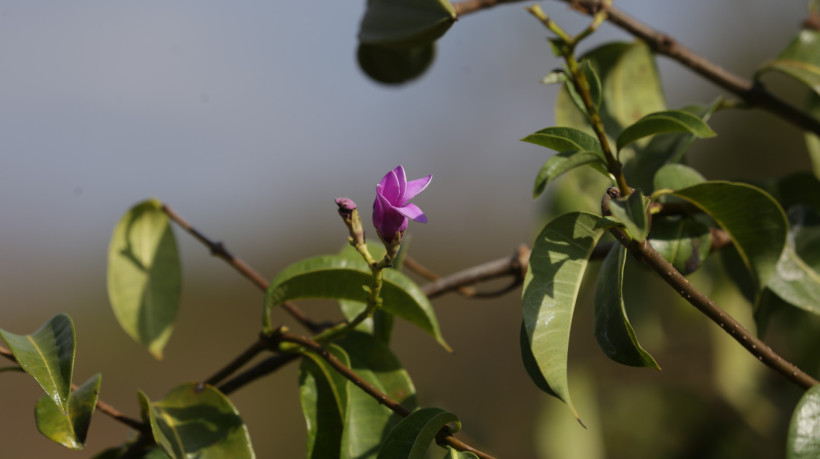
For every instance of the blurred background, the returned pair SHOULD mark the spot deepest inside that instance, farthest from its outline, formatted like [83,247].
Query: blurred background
[248,118]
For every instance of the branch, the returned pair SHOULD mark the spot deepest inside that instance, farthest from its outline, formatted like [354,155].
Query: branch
[510,266]
[644,252]
[102,406]
[444,435]
[263,368]
[219,250]
[258,346]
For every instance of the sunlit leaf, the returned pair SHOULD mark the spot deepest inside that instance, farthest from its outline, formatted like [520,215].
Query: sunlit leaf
[799,60]
[682,241]
[395,65]
[676,177]
[753,220]
[69,430]
[565,139]
[411,437]
[405,23]
[48,356]
[339,278]
[804,429]
[367,422]
[557,263]
[612,328]
[144,275]
[665,122]
[198,422]
[323,392]
[564,162]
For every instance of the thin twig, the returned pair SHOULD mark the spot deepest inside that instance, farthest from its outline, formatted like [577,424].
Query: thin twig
[413,265]
[444,434]
[644,252]
[263,368]
[509,266]
[104,407]
[219,250]
[252,351]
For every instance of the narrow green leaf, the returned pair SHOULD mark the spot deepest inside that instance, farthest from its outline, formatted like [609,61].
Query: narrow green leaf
[69,430]
[411,437]
[612,328]
[15,369]
[804,429]
[593,81]
[631,211]
[682,241]
[405,23]
[565,139]
[797,277]
[367,422]
[812,141]
[754,221]
[323,393]
[677,176]
[119,452]
[665,122]
[563,162]
[799,60]
[339,278]
[394,65]
[48,356]
[198,423]
[144,275]
[557,264]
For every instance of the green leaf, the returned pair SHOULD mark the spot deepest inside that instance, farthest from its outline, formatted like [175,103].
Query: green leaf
[530,364]
[799,60]
[804,429]
[69,430]
[367,422]
[555,77]
[752,218]
[682,241]
[395,65]
[563,162]
[664,122]
[612,328]
[631,211]
[411,437]
[796,280]
[593,81]
[339,278]
[405,23]
[456,454]
[812,141]
[565,139]
[323,392]
[119,452]
[198,423]
[664,149]
[557,264]
[144,275]
[677,176]
[48,356]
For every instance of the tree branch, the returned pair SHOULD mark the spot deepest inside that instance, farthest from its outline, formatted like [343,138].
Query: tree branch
[219,250]
[444,435]
[510,266]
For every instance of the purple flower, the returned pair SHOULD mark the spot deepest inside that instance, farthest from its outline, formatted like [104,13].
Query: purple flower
[391,208]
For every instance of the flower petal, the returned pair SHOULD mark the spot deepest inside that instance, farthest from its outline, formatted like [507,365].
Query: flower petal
[389,186]
[412,212]
[402,178]
[414,187]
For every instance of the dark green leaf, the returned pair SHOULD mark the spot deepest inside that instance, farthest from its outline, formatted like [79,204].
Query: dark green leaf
[631,211]
[664,122]
[367,422]
[677,176]
[69,430]
[804,429]
[563,162]
[557,264]
[405,23]
[801,188]
[799,60]
[48,356]
[564,140]
[682,241]
[754,221]
[144,275]
[796,280]
[339,278]
[323,392]
[612,328]
[812,141]
[198,423]
[119,452]
[395,65]
[411,437]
